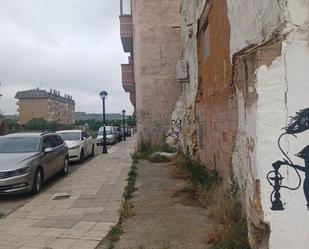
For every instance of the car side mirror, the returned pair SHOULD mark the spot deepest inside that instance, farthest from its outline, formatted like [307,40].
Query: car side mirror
[49,150]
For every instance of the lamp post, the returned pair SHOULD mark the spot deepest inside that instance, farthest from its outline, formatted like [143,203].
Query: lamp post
[124,125]
[103,96]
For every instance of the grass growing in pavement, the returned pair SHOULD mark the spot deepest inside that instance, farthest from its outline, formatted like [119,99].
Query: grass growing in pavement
[1,215]
[127,208]
[115,232]
[229,229]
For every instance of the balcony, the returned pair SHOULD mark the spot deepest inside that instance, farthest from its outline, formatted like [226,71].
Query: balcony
[128,77]
[126,25]
[126,33]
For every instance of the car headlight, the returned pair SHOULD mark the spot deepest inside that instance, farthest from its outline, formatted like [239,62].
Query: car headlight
[21,171]
[75,147]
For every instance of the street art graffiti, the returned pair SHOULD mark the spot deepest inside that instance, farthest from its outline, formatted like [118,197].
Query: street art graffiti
[297,124]
[176,127]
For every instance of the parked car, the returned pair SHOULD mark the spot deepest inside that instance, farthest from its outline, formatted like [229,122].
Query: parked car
[27,160]
[127,132]
[110,136]
[118,133]
[80,144]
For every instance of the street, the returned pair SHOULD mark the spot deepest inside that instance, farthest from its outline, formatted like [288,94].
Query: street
[75,211]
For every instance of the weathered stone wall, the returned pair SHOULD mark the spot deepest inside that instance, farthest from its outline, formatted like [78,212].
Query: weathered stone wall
[184,114]
[157,48]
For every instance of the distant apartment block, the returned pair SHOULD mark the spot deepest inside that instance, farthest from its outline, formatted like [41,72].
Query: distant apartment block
[50,106]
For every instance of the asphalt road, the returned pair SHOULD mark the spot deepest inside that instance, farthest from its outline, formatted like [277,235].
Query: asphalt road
[10,203]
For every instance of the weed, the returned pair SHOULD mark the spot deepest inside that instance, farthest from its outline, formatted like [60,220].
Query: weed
[127,209]
[1,215]
[130,187]
[206,177]
[132,172]
[187,190]
[115,233]
[145,150]
[230,225]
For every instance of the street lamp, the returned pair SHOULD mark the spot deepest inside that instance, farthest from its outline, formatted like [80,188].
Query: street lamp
[124,125]
[103,96]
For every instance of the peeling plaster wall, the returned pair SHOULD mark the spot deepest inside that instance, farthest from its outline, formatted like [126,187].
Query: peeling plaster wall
[184,111]
[281,87]
[253,21]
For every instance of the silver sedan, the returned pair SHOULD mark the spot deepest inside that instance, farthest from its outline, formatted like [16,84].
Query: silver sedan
[28,159]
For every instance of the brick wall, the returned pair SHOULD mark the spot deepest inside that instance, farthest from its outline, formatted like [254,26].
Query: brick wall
[216,104]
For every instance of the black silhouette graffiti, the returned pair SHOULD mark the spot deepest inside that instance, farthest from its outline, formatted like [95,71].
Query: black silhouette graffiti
[297,124]
[176,127]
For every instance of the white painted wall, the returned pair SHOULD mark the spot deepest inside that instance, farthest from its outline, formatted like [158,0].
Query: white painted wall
[282,91]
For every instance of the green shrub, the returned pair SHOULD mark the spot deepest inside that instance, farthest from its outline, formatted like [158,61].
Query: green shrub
[205,176]
[115,232]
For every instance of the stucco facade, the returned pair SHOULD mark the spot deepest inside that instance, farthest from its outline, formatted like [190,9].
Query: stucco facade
[157,47]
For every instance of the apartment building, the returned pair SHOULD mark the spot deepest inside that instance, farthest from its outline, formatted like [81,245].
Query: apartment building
[50,106]
[150,33]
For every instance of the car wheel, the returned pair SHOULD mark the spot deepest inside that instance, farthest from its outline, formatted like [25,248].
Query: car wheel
[66,167]
[37,181]
[92,151]
[82,156]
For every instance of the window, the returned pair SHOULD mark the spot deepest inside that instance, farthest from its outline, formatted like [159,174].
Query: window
[85,134]
[58,140]
[19,144]
[48,142]
[126,7]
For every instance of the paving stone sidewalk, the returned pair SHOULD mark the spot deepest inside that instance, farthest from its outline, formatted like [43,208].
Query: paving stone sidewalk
[77,212]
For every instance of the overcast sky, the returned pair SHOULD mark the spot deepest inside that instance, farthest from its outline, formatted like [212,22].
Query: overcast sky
[73,46]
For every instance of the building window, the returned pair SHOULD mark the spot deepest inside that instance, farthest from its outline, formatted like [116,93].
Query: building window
[125,7]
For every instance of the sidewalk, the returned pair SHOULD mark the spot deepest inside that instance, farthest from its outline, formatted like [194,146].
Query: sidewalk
[76,212]
[167,216]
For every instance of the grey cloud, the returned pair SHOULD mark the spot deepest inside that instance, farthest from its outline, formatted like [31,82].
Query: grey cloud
[71,45]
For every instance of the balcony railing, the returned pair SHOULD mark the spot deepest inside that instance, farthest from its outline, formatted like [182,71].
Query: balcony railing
[128,77]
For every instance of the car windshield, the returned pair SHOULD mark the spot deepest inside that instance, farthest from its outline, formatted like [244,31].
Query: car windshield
[70,136]
[19,144]
[108,132]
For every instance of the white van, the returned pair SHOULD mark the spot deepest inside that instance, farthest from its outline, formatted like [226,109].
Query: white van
[110,136]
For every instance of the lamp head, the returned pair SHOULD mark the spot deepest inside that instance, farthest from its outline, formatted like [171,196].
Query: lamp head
[103,95]
[123,112]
